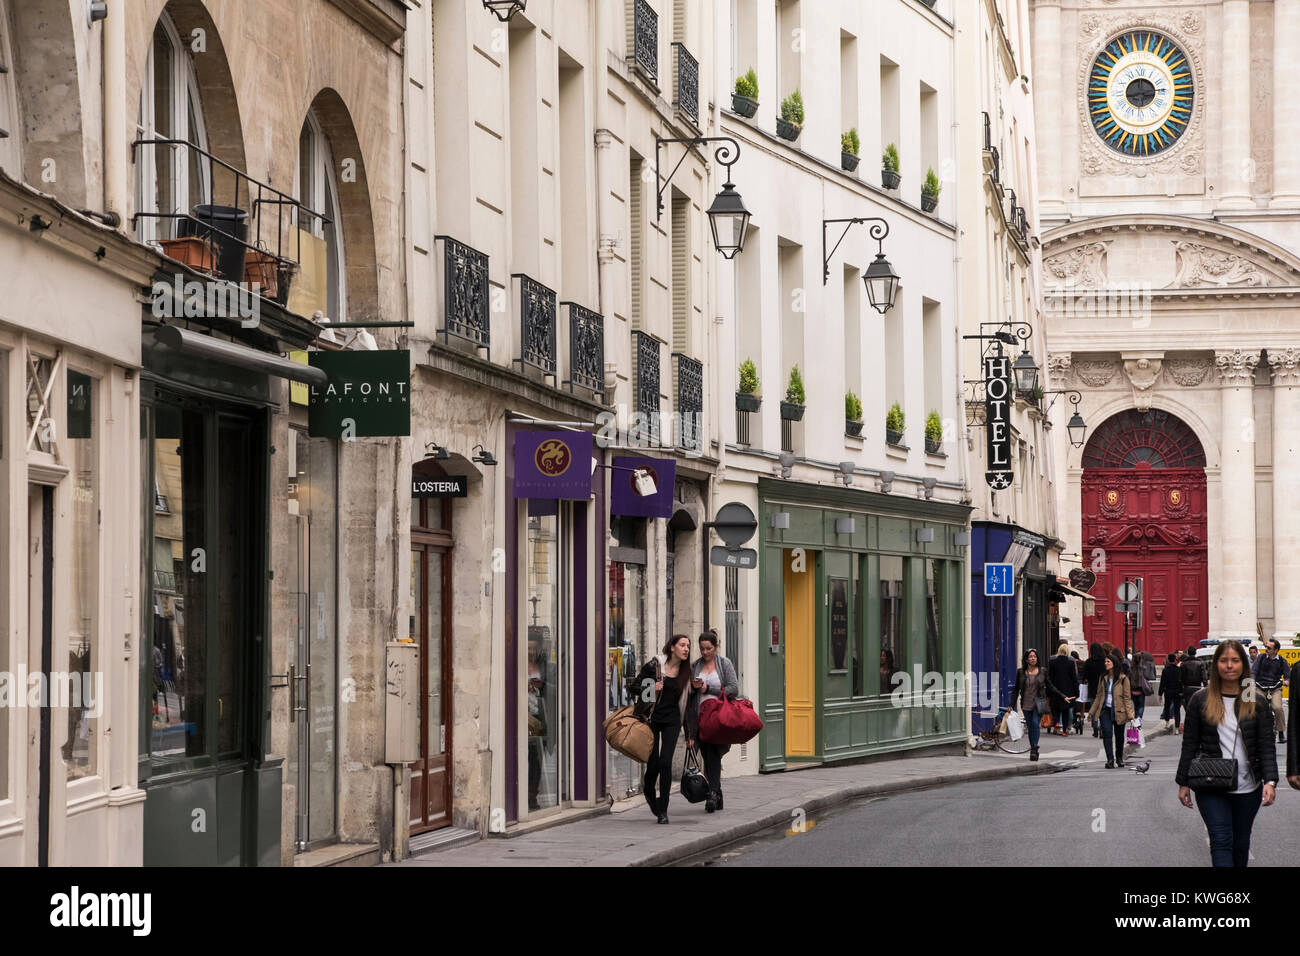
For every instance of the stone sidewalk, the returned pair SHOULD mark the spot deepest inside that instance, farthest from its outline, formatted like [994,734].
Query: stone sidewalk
[629,835]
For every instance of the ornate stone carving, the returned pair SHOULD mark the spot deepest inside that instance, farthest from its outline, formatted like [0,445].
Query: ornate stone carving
[1188,372]
[1091,25]
[1083,266]
[1190,22]
[1058,367]
[1095,373]
[1199,265]
[1142,374]
[1236,368]
[1285,365]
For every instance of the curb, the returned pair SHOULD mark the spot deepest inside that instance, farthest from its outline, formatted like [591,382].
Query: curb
[722,838]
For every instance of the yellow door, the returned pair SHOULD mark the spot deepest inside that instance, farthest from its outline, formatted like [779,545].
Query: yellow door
[800,669]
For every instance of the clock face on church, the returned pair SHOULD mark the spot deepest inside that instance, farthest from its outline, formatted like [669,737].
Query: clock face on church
[1140,93]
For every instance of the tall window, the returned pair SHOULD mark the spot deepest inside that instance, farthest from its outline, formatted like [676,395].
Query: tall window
[83,592]
[169,178]
[322,241]
[10,122]
[891,621]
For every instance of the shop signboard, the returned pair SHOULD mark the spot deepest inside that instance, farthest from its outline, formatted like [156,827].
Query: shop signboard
[368,395]
[997,420]
[553,464]
[626,500]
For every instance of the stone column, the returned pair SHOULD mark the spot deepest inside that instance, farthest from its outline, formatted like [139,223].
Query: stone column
[1047,94]
[1237,496]
[1286,121]
[1285,363]
[1235,176]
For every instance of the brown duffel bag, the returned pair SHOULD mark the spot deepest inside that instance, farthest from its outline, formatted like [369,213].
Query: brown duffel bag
[629,734]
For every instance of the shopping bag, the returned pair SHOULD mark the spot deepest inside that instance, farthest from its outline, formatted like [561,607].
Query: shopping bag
[1015,725]
[1133,736]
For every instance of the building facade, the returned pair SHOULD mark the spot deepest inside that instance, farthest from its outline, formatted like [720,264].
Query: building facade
[1170,217]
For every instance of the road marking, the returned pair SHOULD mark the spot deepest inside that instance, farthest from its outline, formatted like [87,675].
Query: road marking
[806,827]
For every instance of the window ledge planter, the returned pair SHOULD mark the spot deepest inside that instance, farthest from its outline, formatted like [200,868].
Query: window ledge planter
[744,106]
[894,438]
[849,161]
[791,412]
[853,429]
[787,131]
[190,251]
[890,179]
[748,402]
[929,203]
[933,447]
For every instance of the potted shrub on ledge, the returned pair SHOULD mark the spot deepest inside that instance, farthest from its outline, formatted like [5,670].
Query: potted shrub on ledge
[747,399]
[852,415]
[889,176]
[895,424]
[793,405]
[930,192]
[933,433]
[849,146]
[744,100]
[790,123]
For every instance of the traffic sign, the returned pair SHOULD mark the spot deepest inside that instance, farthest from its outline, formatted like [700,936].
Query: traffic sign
[1128,591]
[1128,607]
[735,524]
[999,580]
[733,557]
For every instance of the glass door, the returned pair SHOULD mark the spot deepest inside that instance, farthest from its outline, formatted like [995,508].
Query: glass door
[546,671]
[430,628]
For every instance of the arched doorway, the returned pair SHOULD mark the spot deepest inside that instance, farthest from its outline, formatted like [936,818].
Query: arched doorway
[1144,516]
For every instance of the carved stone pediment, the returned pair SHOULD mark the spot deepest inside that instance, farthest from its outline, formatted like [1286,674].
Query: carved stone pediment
[1200,265]
[1095,373]
[1142,372]
[1188,372]
[1083,266]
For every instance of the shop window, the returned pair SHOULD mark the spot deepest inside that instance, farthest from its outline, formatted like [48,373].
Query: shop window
[543,664]
[892,650]
[83,571]
[626,623]
[935,579]
[322,284]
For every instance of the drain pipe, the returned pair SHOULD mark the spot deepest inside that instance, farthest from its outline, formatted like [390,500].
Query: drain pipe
[115,133]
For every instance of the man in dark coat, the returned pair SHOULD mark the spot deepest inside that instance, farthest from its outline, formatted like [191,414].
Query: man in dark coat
[1063,676]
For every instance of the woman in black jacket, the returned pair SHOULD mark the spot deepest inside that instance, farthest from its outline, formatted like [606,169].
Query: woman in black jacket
[1061,672]
[1031,692]
[1223,722]
[1093,670]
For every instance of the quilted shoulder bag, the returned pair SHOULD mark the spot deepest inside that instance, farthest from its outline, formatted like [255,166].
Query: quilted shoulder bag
[1214,773]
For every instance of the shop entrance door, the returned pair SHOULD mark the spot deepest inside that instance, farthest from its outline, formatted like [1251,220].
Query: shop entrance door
[431,544]
[40,644]
[799,576]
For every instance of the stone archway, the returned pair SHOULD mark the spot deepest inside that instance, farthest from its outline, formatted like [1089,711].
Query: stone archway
[1144,512]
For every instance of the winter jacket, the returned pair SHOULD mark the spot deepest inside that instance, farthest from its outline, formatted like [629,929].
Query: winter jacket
[1202,737]
[1060,669]
[687,704]
[1121,700]
[1093,669]
[1048,687]
[1192,675]
[1171,681]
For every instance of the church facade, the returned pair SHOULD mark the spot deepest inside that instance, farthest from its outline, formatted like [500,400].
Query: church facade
[1170,206]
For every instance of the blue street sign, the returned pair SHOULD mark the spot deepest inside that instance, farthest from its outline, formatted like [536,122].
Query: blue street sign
[999,580]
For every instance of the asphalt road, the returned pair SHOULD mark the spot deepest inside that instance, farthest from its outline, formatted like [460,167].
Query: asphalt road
[1088,815]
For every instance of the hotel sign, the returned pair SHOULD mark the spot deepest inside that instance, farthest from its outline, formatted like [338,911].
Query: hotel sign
[997,420]
[368,395]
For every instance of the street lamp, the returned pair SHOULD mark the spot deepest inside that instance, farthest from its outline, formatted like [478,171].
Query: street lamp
[1026,372]
[1077,428]
[880,278]
[728,217]
[504,9]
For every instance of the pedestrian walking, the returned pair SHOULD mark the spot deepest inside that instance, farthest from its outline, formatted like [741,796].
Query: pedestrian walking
[672,711]
[1065,678]
[1031,693]
[1292,758]
[1142,677]
[1225,724]
[713,676]
[1192,674]
[1171,691]
[1085,698]
[1113,708]
[1272,673]
[1093,671]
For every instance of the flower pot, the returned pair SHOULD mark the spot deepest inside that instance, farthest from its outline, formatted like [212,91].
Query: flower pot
[890,179]
[748,402]
[852,429]
[787,130]
[743,105]
[791,412]
[191,251]
[262,268]
[227,228]
[933,447]
[929,203]
[849,161]
[893,438]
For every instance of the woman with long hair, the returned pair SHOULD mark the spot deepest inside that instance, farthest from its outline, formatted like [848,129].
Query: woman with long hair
[714,676]
[1112,707]
[1093,671]
[670,710]
[1224,721]
[1031,693]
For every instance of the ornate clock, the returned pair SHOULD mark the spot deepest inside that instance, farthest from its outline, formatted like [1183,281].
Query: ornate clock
[1140,93]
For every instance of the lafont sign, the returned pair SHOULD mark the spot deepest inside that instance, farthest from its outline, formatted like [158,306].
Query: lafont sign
[368,395]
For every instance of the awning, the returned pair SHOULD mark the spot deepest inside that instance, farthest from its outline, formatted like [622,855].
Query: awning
[1089,600]
[210,349]
[1016,556]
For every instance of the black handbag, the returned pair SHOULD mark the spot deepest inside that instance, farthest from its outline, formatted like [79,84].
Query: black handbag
[1214,773]
[695,786]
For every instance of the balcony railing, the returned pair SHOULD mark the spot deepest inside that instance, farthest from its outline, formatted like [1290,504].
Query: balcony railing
[690,402]
[646,353]
[466,300]
[687,74]
[1022,222]
[164,580]
[536,325]
[1011,210]
[997,165]
[643,30]
[586,350]
[240,219]
[988,133]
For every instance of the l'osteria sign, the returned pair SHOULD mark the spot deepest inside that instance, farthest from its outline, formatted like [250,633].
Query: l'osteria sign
[368,395]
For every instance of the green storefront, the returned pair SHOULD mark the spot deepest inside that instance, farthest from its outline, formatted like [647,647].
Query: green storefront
[861,599]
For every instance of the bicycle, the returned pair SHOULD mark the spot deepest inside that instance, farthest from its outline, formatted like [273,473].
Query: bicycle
[996,738]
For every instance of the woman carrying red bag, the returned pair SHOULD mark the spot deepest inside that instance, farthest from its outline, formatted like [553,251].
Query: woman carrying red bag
[713,675]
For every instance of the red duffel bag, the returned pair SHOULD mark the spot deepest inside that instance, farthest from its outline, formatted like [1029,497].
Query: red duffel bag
[728,721]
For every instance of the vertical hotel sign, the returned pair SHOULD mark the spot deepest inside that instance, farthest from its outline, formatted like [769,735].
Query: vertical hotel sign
[997,420]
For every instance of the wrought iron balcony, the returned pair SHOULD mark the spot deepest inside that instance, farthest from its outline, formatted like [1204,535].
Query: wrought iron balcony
[164,580]
[643,31]
[646,352]
[536,325]
[690,402]
[466,301]
[1023,222]
[1011,211]
[586,350]
[996,171]
[687,75]
[988,133]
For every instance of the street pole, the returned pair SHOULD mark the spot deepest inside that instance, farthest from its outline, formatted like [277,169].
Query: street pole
[707,570]
[1127,649]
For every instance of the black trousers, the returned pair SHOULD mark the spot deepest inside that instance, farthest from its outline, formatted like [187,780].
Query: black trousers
[659,768]
[711,754]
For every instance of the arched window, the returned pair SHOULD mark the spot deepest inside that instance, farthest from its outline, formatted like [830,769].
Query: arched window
[1156,437]
[10,118]
[170,179]
[317,189]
